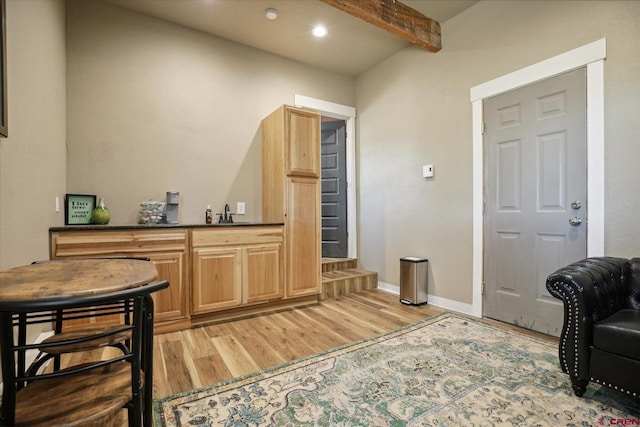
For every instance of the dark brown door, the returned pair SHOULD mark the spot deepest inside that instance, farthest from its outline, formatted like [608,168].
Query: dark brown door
[334,189]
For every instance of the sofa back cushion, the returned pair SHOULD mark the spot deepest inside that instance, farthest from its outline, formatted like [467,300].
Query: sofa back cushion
[606,289]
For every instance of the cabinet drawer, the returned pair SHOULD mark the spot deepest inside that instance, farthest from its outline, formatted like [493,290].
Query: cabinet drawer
[110,243]
[233,236]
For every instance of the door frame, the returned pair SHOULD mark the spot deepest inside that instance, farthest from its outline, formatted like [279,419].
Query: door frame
[344,112]
[592,57]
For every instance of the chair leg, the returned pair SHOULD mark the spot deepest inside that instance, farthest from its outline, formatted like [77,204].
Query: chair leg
[147,362]
[134,414]
[579,386]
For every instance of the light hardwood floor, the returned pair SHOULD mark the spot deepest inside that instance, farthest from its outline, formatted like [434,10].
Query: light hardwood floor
[207,355]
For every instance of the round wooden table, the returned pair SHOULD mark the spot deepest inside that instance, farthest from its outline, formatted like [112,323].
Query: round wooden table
[72,279]
[36,293]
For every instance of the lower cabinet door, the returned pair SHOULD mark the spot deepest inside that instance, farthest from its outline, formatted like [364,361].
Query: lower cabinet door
[217,279]
[303,245]
[170,303]
[262,273]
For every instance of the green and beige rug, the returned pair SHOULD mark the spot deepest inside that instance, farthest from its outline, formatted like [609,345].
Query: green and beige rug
[444,371]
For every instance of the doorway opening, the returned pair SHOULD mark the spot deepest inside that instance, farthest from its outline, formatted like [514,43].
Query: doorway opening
[333,173]
[337,113]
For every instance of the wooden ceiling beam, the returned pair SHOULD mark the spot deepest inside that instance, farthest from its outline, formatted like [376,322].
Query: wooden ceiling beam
[395,17]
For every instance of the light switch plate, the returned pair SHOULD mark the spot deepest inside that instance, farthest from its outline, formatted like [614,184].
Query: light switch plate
[427,171]
[240,208]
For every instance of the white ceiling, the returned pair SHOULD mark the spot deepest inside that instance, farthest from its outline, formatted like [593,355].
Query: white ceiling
[352,46]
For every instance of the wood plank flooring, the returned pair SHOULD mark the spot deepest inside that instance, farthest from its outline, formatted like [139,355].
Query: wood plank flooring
[207,355]
[198,357]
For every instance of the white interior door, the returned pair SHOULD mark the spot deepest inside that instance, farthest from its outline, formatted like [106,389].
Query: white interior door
[535,197]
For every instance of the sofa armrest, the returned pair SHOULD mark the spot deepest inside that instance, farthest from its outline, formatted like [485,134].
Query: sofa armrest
[591,289]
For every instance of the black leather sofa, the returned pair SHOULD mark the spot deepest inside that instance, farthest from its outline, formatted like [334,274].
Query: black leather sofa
[600,338]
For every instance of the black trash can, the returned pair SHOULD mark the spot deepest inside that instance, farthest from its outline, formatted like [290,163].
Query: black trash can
[413,280]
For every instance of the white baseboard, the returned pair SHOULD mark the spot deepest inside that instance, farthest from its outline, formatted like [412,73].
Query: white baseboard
[388,287]
[445,303]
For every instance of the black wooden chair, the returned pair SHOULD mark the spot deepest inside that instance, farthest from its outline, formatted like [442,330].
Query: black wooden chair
[91,393]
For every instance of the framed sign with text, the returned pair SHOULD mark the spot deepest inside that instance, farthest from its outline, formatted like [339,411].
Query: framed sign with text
[78,208]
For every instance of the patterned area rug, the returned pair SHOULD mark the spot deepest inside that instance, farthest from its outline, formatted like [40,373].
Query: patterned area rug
[444,371]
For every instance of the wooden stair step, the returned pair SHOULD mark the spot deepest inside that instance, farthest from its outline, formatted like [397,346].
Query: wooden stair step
[333,264]
[344,282]
[345,274]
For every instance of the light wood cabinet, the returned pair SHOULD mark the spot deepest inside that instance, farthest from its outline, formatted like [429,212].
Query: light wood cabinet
[262,272]
[214,273]
[217,278]
[235,267]
[171,303]
[302,139]
[302,228]
[291,193]
[167,249]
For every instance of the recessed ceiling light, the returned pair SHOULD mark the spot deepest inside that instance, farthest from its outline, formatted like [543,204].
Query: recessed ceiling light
[319,31]
[271,14]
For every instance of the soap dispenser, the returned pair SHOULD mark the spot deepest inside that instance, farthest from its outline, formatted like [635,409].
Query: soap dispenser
[208,216]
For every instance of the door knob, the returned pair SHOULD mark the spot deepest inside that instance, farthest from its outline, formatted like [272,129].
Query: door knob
[575,221]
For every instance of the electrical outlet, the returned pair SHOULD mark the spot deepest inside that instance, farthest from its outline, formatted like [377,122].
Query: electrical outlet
[427,171]
[240,208]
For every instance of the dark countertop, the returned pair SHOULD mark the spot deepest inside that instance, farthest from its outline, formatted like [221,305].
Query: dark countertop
[93,227]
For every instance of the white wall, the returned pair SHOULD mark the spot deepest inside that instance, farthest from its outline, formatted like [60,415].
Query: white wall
[33,157]
[156,107]
[414,109]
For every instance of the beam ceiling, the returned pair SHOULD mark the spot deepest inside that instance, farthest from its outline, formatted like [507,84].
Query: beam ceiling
[395,17]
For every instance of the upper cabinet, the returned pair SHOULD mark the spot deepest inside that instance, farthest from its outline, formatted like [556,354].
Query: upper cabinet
[302,135]
[293,139]
[290,147]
